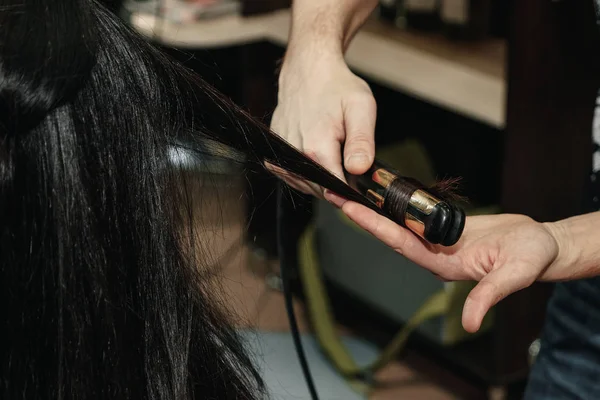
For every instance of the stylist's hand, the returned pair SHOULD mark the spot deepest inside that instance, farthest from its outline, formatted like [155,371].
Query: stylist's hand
[505,253]
[324,108]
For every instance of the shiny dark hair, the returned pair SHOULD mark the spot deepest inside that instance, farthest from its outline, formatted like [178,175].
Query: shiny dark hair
[101,294]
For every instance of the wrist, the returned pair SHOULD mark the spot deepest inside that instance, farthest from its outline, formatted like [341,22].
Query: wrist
[327,25]
[314,50]
[306,63]
[568,259]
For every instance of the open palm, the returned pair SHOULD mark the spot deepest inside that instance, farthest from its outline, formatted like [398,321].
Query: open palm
[504,252]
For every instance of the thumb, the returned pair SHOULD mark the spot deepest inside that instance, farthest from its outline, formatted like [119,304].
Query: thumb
[359,147]
[494,287]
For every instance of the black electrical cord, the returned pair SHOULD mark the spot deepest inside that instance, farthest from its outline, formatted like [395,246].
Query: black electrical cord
[283,260]
[287,292]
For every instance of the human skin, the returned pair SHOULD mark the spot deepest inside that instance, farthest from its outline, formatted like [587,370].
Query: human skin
[504,253]
[323,108]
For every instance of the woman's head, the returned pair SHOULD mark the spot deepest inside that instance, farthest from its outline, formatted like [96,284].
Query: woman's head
[101,296]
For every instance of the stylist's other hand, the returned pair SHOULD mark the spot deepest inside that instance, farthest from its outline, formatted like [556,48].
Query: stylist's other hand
[327,112]
[504,253]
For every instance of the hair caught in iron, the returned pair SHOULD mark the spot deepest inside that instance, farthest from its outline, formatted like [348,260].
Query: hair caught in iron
[101,294]
[429,212]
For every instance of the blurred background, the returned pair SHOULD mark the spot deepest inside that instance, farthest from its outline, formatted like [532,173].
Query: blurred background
[500,99]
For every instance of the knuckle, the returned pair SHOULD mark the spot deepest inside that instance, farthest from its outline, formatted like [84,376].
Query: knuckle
[364,85]
[337,130]
[363,94]
[376,227]
[399,250]
[369,102]
[400,244]
[361,99]
[316,152]
[330,128]
[360,140]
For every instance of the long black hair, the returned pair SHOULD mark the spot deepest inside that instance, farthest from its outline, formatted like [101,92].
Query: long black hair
[102,295]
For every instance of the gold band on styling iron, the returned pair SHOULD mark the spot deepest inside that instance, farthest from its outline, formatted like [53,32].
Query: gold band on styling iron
[429,217]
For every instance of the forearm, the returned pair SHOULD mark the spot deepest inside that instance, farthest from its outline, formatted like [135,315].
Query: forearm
[326,27]
[579,247]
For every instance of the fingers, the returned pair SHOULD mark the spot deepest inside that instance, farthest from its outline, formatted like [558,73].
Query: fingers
[394,236]
[321,143]
[385,230]
[326,152]
[334,198]
[296,141]
[293,181]
[495,286]
[360,113]
[318,118]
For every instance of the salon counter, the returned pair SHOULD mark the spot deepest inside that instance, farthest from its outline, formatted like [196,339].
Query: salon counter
[468,79]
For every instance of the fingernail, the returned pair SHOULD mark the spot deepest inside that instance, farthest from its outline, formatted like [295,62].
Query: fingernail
[357,159]
[333,198]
